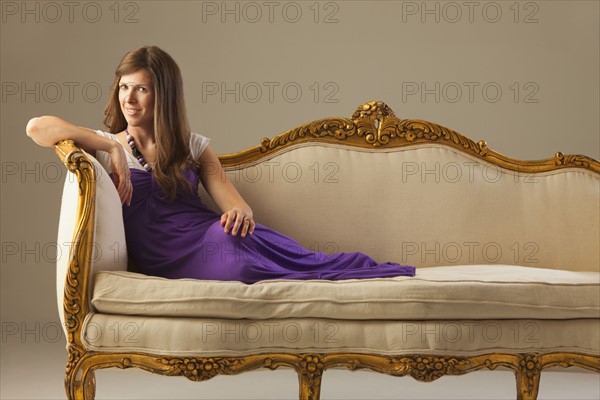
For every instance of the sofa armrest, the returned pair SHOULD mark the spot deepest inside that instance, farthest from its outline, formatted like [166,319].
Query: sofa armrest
[76,304]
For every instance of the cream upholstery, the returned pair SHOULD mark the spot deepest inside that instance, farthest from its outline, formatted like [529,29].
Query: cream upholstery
[66,228]
[212,337]
[394,206]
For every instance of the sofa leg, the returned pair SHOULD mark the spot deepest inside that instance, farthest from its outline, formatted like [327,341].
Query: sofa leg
[528,383]
[81,384]
[89,386]
[310,389]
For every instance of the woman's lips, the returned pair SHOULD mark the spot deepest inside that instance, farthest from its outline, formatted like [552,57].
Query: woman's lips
[132,111]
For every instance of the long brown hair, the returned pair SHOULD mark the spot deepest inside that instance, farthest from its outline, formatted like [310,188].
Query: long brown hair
[171,127]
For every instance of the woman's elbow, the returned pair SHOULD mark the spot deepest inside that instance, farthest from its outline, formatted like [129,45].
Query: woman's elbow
[35,130]
[33,127]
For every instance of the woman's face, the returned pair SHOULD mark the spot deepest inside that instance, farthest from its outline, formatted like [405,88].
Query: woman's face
[136,97]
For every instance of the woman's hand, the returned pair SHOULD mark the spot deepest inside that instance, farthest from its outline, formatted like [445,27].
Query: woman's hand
[121,173]
[238,219]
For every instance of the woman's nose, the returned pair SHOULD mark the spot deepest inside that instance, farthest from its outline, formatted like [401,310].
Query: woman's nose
[130,97]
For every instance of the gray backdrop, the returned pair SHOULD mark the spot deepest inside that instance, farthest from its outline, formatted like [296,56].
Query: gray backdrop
[521,75]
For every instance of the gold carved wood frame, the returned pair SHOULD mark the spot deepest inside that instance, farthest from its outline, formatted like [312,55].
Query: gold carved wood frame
[373,125]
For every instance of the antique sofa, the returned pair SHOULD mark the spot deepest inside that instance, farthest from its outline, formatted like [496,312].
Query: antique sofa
[507,255]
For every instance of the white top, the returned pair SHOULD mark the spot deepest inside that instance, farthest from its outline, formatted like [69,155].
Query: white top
[197,145]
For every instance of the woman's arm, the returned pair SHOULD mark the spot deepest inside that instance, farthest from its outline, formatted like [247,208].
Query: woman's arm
[235,210]
[48,130]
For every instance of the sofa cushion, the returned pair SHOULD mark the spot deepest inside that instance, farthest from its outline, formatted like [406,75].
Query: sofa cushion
[454,292]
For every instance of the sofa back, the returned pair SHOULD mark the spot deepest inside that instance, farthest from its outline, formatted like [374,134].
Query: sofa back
[421,194]
[425,205]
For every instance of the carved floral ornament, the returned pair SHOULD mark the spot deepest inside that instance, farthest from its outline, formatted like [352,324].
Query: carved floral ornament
[427,369]
[373,122]
[200,369]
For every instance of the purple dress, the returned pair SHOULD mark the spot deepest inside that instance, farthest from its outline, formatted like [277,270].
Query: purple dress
[185,239]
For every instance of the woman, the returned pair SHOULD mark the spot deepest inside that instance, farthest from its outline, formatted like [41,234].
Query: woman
[156,164]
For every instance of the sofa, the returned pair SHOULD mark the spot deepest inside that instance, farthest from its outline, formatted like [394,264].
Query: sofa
[507,256]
